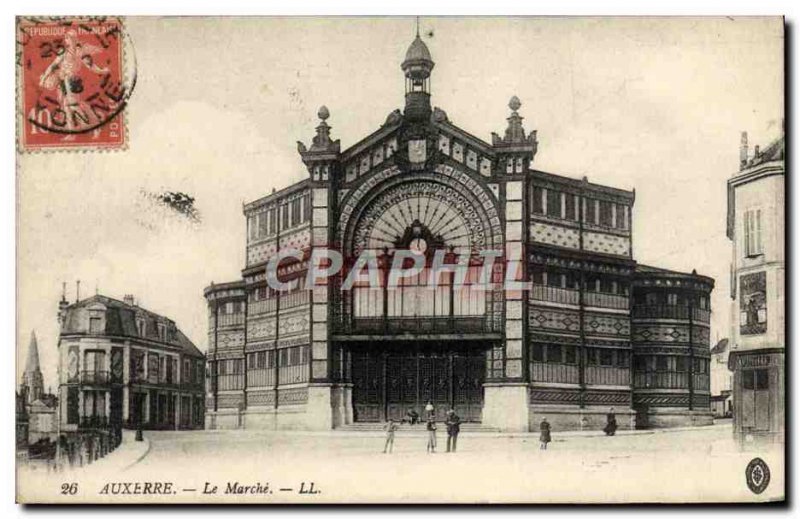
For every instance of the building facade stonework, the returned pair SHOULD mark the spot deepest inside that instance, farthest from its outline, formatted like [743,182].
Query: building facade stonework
[594,330]
[756,216]
[122,366]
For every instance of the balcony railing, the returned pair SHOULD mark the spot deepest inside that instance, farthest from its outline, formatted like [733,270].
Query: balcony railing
[669,380]
[421,325]
[661,379]
[95,377]
[605,300]
[607,375]
[559,373]
[565,296]
[670,312]
[570,296]
[234,319]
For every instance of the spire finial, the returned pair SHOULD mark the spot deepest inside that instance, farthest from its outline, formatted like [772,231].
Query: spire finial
[417,26]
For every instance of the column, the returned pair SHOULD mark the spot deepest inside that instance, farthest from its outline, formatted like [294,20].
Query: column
[506,401]
[318,410]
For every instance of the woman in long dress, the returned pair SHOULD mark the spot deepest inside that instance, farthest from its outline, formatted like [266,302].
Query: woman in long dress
[611,423]
[544,434]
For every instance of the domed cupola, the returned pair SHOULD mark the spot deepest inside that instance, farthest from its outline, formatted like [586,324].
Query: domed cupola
[417,67]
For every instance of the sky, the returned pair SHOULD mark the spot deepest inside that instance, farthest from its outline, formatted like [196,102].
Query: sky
[656,105]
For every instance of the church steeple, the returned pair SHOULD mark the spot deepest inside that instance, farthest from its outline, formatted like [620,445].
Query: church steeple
[417,68]
[32,381]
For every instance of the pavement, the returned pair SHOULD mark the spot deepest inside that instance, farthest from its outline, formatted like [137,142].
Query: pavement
[701,464]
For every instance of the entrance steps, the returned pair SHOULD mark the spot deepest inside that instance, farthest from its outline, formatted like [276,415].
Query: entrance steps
[466,427]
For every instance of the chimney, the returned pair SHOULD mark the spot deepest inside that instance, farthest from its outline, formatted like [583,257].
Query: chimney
[743,151]
[129,300]
[63,304]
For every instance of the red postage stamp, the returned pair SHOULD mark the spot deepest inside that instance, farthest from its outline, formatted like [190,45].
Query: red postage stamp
[73,86]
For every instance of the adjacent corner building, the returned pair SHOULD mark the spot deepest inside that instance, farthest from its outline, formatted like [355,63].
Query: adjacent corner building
[595,330]
[756,216]
[123,366]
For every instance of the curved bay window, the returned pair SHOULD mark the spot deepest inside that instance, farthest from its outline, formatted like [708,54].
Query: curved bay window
[669,372]
[559,285]
[558,363]
[607,366]
[261,368]
[665,303]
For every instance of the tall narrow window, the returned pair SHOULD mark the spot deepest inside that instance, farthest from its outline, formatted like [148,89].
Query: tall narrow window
[752,233]
[621,220]
[553,203]
[95,325]
[284,216]
[537,204]
[262,224]
[605,213]
[569,206]
[759,248]
[273,220]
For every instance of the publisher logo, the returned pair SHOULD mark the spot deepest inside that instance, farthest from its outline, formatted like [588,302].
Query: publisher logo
[757,475]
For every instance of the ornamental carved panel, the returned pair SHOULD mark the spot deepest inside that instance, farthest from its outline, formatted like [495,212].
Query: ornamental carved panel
[230,340]
[260,328]
[293,396]
[261,398]
[551,319]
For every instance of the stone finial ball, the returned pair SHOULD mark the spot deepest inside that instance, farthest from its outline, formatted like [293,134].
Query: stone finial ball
[323,112]
[514,103]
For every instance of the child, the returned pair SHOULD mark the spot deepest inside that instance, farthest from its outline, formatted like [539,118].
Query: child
[390,427]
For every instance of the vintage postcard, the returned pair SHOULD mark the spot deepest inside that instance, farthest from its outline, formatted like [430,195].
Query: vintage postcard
[400,260]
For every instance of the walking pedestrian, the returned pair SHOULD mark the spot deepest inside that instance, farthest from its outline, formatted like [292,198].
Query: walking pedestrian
[429,412]
[453,424]
[544,436]
[611,423]
[431,436]
[390,427]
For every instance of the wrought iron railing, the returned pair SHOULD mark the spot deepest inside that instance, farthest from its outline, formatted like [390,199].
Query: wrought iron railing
[606,300]
[679,312]
[661,379]
[571,296]
[565,296]
[95,377]
[421,325]
[607,375]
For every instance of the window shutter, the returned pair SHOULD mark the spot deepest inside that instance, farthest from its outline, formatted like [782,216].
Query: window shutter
[759,248]
[747,233]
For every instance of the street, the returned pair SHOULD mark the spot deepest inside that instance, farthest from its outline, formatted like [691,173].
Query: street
[702,464]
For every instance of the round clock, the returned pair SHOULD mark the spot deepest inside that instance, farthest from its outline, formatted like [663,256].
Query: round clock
[418,245]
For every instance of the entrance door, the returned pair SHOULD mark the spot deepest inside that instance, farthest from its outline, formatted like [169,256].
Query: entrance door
[390,380]
[435,383]
[468,377]
[367,374]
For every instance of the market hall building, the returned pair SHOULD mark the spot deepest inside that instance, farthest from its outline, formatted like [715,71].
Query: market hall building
[595,330]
